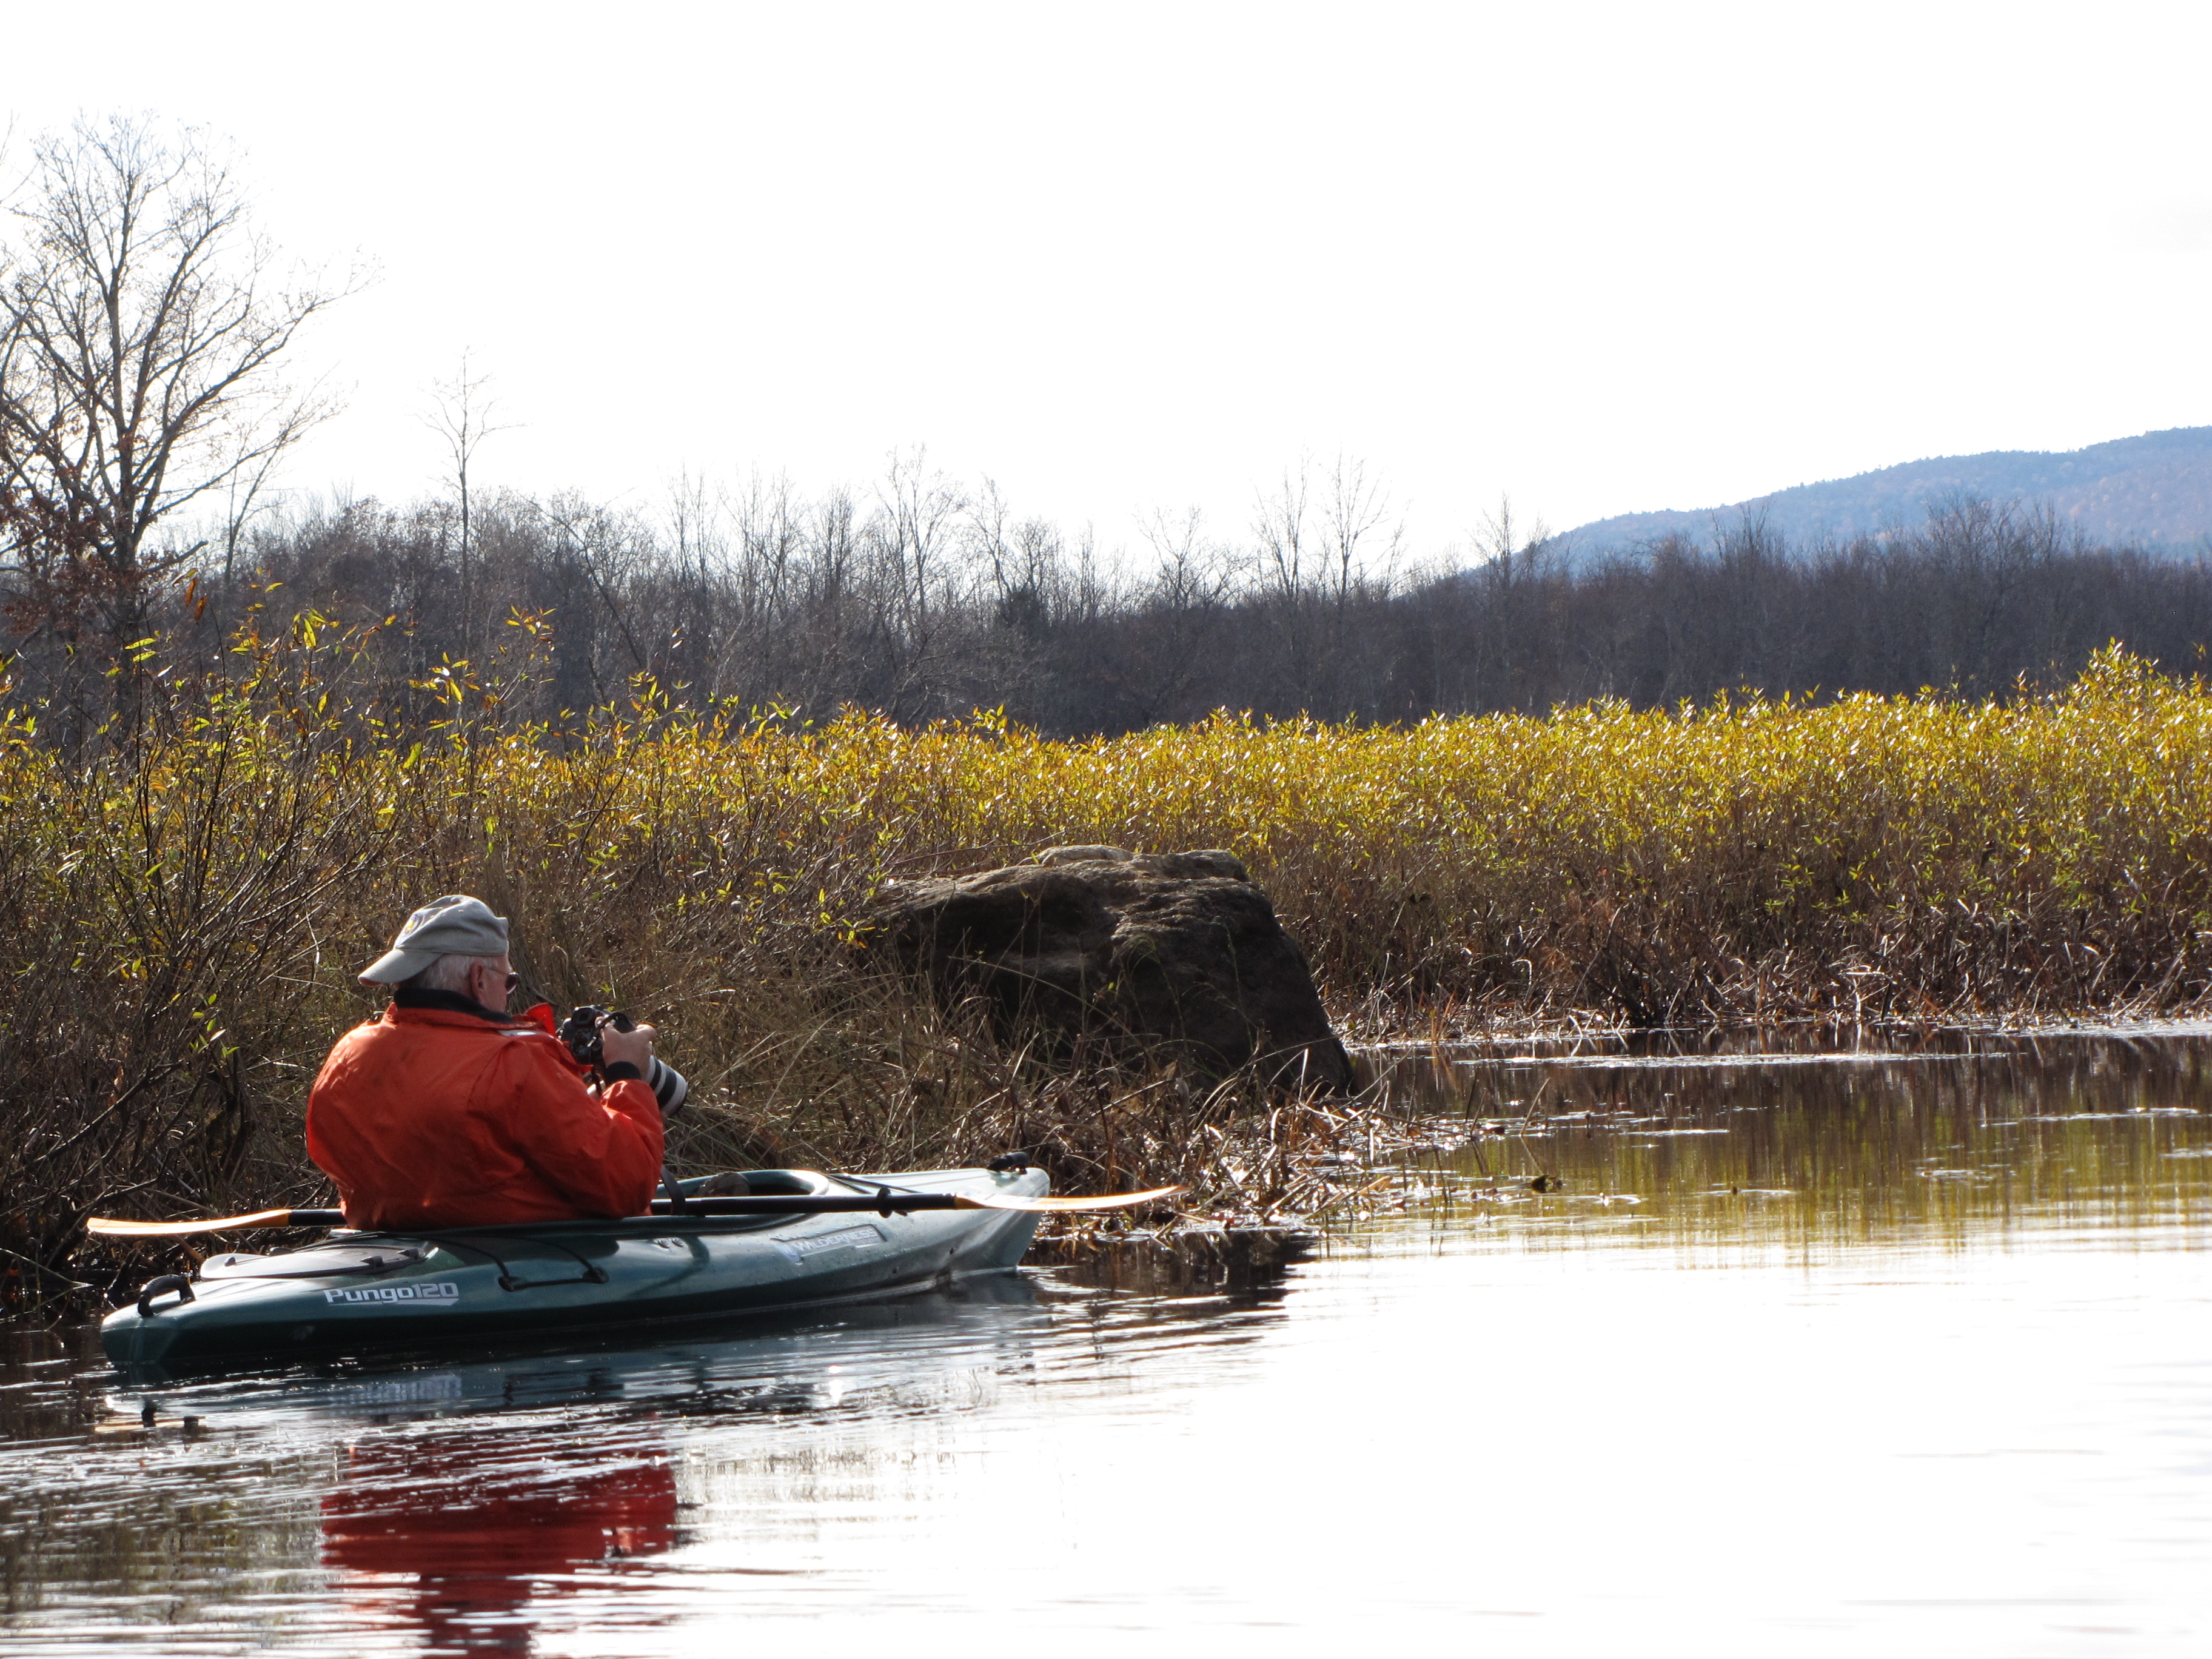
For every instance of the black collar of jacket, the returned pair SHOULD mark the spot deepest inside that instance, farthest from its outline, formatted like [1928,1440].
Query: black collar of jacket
[451,1002]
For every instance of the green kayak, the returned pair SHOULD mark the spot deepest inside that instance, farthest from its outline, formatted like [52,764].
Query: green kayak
[367,1293]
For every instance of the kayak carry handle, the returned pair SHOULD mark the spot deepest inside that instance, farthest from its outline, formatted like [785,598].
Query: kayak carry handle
[176,1282]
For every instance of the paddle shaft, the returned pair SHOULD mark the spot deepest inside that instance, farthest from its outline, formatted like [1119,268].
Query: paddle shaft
[885,1200]
[888,1203]
[882,1202]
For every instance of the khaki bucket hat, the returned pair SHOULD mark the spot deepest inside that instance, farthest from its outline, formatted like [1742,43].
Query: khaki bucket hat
[453,925]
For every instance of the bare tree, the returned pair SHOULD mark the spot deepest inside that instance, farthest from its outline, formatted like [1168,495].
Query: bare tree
[1314,562]
[1280,529]
[1358,510]
[1158,636]
[913,541]
[245,495]
[463,419]
[142,332]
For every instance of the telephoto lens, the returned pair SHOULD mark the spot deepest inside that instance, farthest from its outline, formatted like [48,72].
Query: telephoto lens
[669,1087]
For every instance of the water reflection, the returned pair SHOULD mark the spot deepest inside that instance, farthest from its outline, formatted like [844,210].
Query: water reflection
[1962,1137]
[1941,1383]
[484,1524]
[471,1501]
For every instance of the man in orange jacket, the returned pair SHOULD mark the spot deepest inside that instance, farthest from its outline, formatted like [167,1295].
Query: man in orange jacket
[448,1111]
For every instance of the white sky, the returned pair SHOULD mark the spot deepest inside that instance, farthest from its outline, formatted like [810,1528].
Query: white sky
[1605,258]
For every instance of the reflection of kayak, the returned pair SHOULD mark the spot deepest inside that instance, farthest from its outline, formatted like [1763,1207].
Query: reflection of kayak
[896,1354]
[896,1350]
[365,1293]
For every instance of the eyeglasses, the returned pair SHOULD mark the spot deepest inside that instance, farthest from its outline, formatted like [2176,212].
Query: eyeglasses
[513,980]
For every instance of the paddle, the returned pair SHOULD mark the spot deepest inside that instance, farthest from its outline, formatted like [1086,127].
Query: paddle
[885,1200]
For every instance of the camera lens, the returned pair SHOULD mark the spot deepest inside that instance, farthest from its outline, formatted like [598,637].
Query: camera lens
[668,1085]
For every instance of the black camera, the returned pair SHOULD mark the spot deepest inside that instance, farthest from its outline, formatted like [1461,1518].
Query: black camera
[580,1031]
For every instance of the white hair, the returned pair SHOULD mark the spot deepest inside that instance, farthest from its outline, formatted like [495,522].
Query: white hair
[450,972]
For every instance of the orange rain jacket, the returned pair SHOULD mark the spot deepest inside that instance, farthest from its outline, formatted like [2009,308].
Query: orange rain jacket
[433,1117]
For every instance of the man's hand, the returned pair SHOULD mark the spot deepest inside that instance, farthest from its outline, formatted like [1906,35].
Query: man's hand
[633,1047]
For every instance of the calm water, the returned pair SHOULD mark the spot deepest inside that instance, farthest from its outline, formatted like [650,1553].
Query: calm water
[1904,1354]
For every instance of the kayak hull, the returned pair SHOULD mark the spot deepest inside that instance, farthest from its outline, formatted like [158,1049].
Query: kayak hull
[371,1293]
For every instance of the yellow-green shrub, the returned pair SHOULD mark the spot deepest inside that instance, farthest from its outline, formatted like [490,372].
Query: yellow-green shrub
[183,914]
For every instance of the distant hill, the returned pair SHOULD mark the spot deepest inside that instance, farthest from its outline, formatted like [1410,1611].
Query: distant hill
[2154,491]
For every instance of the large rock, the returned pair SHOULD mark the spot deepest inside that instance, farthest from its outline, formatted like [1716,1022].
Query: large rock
[1174,953]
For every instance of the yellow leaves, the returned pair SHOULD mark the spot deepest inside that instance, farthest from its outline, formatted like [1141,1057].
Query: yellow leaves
[1742,812]
[451,681]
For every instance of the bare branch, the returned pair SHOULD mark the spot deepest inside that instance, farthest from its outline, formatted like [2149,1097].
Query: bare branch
[141,333]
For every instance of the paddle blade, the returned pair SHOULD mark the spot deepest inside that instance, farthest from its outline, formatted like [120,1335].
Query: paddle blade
[109,1228]
[1057,1206]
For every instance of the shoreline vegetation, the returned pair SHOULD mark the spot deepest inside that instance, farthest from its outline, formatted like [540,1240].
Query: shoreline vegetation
[186,901]
[1495,786]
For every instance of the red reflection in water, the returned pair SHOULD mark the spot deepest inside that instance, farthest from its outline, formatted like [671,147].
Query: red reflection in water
[482,1534]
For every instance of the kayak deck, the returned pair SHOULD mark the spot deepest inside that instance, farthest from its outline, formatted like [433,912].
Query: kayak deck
[360,1293]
